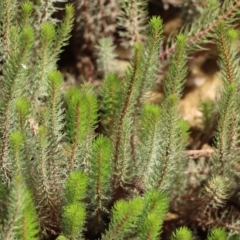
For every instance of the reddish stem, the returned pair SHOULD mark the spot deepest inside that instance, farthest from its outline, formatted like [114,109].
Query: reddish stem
[204,31]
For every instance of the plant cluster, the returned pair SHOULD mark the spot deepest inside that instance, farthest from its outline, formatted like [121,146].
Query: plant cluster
[60,179]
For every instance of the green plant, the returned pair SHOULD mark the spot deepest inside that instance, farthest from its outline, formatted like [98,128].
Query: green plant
[62,180]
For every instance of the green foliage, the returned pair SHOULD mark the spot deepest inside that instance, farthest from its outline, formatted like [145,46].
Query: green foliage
[218,191]
[177,71]
[14,79]
[124,216]
[227,137]
[43,62]
[74,212]
[150,56]
[106,55]
[61,237]
[21,221]
[75,187]
[182,233]
[81,119]
[171,128]
[203,24]
[55,80]
[148,149]
[207,107]
[27,10]
[111,94]
[81,113]
[63,31]
[4,193]
[73,219]
[217,234]
[100,181]
[139,78]
[16,140]
[22,109]
[133,18]
[29,227]
[155,209]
